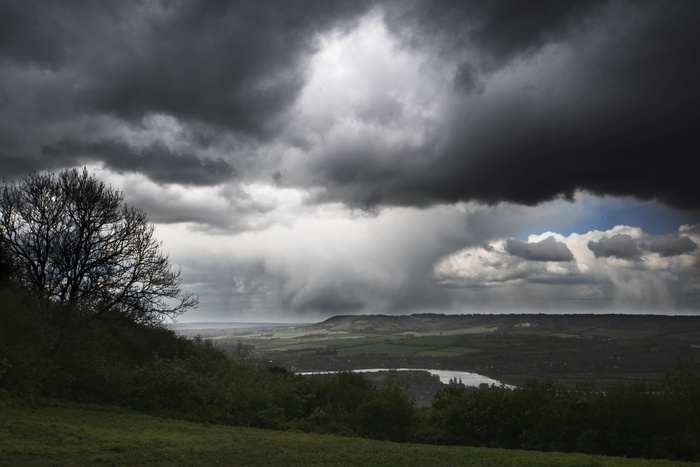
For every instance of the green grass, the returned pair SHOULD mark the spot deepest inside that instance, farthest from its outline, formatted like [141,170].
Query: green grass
[448,352]
[74,435]
[352,339]
[437,341]
[383,348]
[620,333]
[295,347]
[455,332]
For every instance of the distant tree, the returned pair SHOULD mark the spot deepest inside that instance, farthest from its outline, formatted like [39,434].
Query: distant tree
[84,253]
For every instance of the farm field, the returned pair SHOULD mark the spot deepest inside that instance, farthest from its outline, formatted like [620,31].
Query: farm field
[510,348]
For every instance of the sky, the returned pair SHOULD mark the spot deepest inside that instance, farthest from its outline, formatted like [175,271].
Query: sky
[304,159]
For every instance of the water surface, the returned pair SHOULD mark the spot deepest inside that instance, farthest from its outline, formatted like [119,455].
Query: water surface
[466,378]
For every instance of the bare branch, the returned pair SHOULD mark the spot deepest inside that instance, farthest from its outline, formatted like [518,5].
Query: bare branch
[73,241]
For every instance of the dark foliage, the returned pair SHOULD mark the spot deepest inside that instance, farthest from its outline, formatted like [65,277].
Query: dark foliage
[657,420]
[151,369]
[71,241]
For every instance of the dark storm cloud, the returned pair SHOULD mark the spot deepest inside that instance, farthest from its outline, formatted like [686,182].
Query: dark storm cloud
[466,78]
[156,162]
[41,34]
[669,245]
[18,166]
[226,67]
[500,29]
[620,246]
[233,64]
[547,250]
[617,117]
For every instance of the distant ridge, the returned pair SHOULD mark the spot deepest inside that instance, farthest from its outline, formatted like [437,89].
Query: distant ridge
[659,324]
[225,325]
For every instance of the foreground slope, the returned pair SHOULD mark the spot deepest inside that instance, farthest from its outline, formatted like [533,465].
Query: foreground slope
[70,435]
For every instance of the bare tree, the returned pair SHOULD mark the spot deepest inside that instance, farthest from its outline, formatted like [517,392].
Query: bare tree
[74,242]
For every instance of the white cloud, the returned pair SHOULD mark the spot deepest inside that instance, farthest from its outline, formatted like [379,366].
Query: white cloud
[645,281]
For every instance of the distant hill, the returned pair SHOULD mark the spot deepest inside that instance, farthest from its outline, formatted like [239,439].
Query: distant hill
[656,325]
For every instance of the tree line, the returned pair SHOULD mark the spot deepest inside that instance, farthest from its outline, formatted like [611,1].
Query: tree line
[84,289]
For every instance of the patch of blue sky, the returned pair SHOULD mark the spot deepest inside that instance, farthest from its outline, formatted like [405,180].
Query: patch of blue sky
[589,213]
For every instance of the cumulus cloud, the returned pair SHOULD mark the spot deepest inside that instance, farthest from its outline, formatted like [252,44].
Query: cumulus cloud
[623,246]
[669,245]
[619,246]
[547,250]
[595,278]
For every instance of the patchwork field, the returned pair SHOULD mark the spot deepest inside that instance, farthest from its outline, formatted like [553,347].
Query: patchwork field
[509,348]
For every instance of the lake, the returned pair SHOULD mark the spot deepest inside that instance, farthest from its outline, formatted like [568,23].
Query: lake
[468,379]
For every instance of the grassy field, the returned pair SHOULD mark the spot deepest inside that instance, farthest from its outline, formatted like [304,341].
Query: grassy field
[383,348]
[74,435]
[447,352]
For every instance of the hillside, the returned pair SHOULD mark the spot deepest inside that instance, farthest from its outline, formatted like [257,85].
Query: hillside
[70,434]
[583,324]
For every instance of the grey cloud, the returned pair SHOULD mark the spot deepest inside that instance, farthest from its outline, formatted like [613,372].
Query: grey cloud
[547,250]
[572,279]
[332,300]
[384,264]
[620,246]
[223,69]
[691,229]
[157,162]
[626,96]
[237,65]
[624,247]
[670,245]
[18,166]
[466,78]
[501,30]
[43,33]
